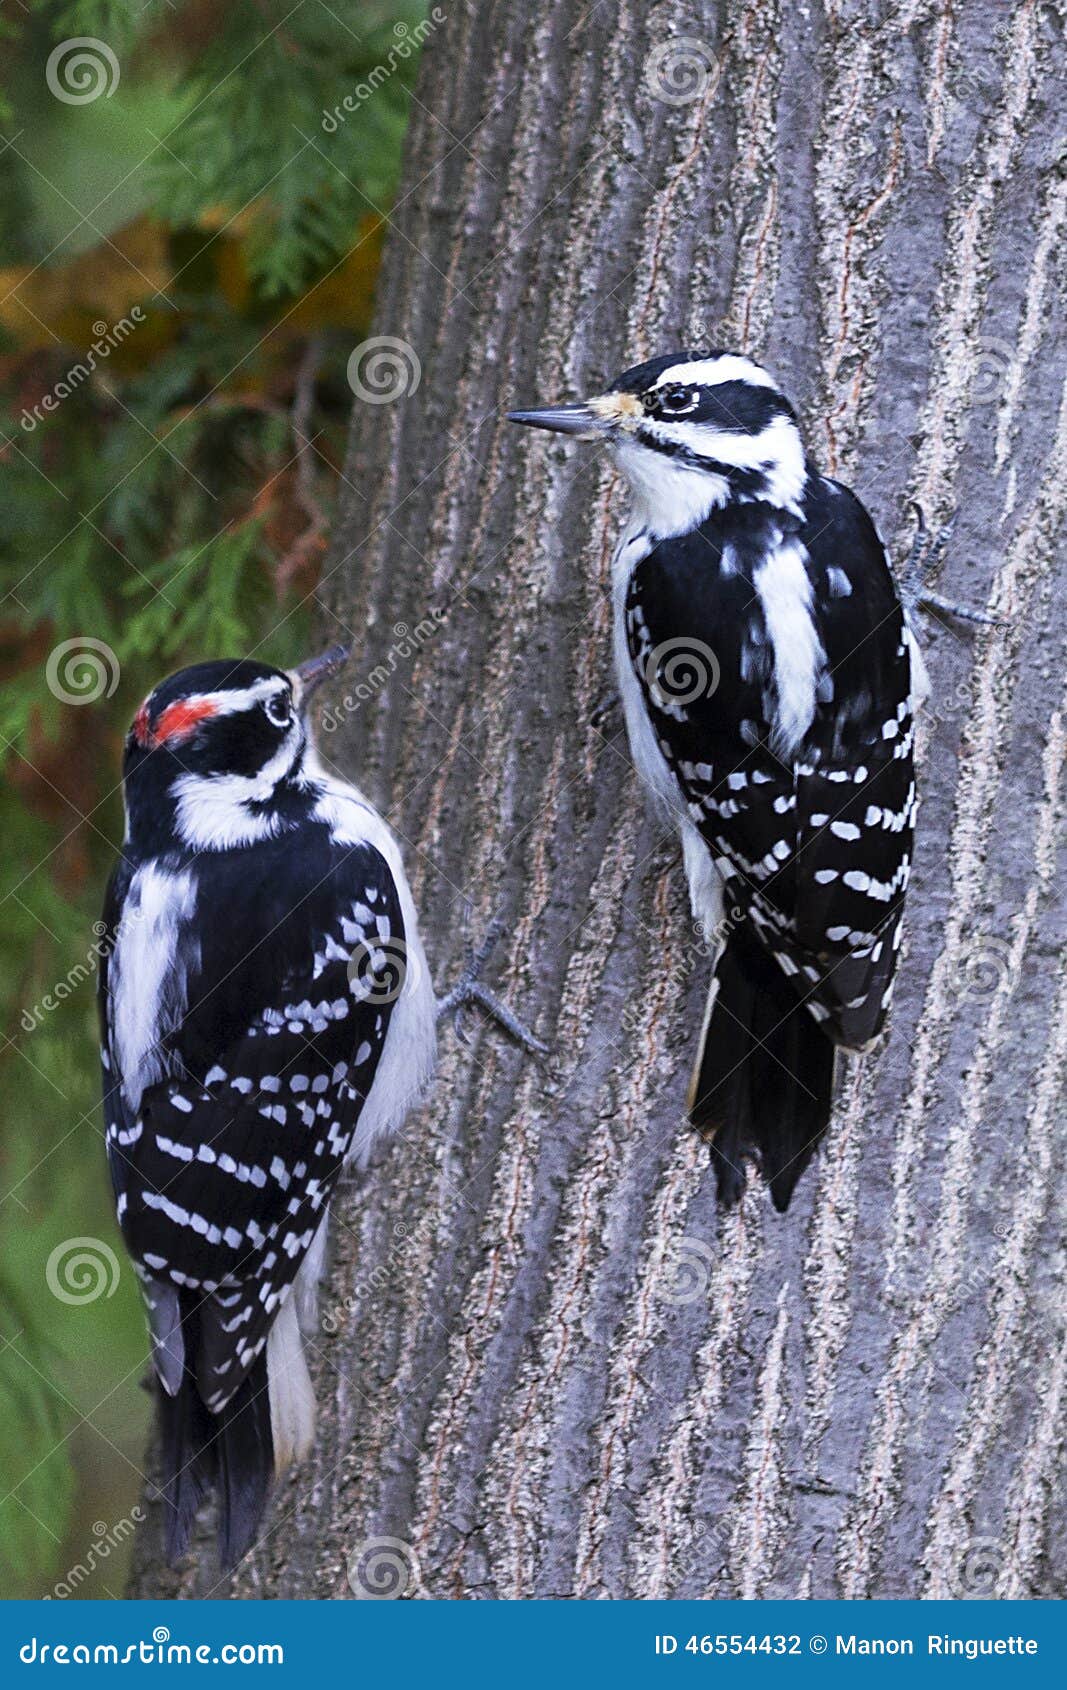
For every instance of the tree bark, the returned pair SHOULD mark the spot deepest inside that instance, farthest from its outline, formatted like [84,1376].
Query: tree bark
[556,1369]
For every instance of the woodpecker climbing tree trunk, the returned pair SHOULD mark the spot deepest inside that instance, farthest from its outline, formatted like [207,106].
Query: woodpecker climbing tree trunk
[548,1367]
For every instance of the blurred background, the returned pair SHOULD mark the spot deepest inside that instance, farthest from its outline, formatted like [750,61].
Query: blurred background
[190,212]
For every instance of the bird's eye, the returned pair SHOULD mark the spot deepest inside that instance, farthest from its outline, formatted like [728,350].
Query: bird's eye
[279,710]
[676,398]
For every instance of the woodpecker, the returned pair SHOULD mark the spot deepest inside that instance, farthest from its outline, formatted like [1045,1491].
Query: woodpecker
[769,679]
[267,1015]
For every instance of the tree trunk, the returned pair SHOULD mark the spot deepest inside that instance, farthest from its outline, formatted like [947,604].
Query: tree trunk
[549,1367]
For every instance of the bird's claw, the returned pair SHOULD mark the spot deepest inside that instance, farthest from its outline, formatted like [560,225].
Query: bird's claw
[926,553]
[469,989]
[962,612]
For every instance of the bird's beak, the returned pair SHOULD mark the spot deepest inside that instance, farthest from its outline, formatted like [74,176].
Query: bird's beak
[311,674]
[582,420]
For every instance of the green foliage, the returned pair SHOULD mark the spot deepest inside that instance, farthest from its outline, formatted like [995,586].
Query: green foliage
[31,1425]
[273,142]
[185,264]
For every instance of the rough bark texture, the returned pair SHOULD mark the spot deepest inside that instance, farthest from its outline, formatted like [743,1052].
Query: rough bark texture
[557,1370]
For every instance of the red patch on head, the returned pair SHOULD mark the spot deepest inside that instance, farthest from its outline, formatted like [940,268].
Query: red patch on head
[176,722]
[179,719]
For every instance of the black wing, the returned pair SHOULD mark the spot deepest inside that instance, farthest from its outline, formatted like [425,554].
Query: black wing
[226,1165]
[816,847]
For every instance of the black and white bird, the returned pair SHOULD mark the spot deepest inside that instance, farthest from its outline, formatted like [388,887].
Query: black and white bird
[267,1015]
[769,680]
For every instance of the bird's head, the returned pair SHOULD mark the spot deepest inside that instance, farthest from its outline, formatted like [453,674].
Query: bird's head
[218,751]
[691,430]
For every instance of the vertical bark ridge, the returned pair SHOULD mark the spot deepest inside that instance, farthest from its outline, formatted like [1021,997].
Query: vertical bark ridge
[756,66]
[522,1467]
[1034,1492]
[829,1265]
[857,166]
[1006,1279]
[763,1514]
[1030,556]
[472,1349]
[1035,317]
[936,87]
[966,275]
[644,1324]
[862,1536]
[671,1529]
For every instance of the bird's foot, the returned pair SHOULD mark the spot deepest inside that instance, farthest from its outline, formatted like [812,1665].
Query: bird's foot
[469,989]
[926,553]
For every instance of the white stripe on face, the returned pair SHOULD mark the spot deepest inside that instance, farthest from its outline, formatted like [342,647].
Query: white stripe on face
[212,810]
[777,451]
[230,700]
[710,372]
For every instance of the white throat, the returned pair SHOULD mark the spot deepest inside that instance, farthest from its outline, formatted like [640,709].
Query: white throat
[668,498]
[673,497]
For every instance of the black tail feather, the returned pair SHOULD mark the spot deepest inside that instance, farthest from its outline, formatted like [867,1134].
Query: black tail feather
[764,1079]
[188,1439]
[231,1452]
[245,1464]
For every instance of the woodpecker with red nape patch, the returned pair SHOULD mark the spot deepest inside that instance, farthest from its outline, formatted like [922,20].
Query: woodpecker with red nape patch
[267,1016]
[769,679]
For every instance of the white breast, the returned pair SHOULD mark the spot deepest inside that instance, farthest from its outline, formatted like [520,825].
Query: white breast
[410,1053]
[705,886]
[648,759]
